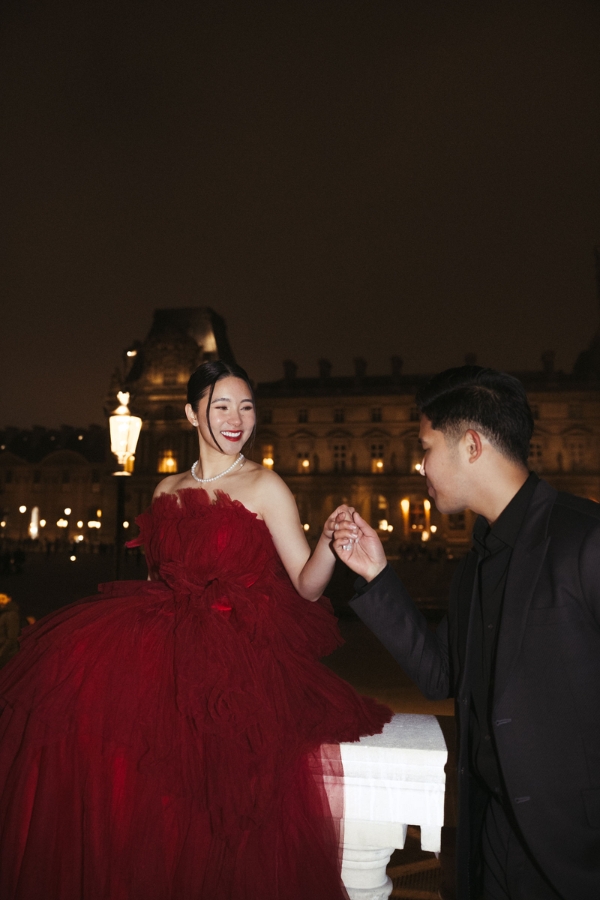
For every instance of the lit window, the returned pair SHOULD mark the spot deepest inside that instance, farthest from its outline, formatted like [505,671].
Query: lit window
[377,466]
[338,415]
[167,462]
[576,451]
[339,457]
[304,463]
[268,456]
[457,522]
[536,453]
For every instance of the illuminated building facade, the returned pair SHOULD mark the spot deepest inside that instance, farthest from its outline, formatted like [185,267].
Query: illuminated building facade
[333,439]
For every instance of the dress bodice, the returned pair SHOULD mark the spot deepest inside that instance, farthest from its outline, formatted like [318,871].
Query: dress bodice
[190,539]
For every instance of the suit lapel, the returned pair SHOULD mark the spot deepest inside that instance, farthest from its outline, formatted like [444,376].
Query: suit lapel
[523,573]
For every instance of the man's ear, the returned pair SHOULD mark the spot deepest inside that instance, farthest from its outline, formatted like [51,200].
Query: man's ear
[473,445]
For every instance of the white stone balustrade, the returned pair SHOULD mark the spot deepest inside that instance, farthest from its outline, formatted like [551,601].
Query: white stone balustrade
[391,780]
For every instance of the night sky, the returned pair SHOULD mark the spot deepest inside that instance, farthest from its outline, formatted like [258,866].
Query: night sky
[338,179]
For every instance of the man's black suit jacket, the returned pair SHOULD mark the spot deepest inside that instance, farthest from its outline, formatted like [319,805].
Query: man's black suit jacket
[546,705]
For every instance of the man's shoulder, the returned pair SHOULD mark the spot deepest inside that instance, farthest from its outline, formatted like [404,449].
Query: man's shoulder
[574,515]
[579,507]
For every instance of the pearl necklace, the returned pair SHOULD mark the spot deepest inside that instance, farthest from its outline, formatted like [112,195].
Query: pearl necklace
[226,472]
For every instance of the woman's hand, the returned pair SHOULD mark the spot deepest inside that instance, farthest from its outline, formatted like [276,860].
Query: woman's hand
[358,545]
[342,514]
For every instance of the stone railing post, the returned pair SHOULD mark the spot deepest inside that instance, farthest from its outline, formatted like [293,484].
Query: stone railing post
[391,780]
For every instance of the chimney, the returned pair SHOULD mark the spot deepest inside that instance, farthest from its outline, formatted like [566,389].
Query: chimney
[397,364]
[324,369]
[548,362]
[360,367]
[289,370]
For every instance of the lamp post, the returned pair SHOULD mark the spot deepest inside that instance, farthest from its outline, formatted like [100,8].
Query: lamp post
[124,433]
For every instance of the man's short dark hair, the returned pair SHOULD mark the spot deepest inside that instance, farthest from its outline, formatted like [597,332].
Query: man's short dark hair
[493,403]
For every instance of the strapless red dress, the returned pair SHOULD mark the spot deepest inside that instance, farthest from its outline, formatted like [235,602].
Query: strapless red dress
[160,741]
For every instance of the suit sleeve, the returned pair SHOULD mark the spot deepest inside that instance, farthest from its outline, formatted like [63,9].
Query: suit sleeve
[386,608]
[589,571]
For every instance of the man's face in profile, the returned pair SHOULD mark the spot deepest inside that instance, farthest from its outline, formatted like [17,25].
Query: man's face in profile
[442,468]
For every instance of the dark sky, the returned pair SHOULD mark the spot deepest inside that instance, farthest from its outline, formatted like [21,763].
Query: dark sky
[412,177]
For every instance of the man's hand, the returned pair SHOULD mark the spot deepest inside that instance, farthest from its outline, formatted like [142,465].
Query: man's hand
[358,545]
[342,514]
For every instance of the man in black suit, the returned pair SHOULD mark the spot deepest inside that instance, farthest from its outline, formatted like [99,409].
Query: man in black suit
[519,649]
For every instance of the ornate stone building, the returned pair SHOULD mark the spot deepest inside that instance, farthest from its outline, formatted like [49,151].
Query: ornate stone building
[332,439]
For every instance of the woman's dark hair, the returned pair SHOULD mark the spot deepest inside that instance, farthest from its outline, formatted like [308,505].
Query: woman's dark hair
[493,402]
[205,378]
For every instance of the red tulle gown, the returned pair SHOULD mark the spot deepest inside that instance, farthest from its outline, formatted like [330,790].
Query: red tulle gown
[160,741]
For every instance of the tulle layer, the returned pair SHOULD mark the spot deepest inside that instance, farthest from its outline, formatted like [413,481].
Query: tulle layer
[162,741]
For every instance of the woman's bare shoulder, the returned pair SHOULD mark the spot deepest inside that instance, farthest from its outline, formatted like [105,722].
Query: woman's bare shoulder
[171,484]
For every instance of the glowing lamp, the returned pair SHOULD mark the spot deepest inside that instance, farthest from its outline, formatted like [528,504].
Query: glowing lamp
[405,505]
[67,511]
[306,526]
[124,432]
[22,509]
[433,529]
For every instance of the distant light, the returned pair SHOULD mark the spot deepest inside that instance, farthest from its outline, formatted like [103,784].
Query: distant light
[125,524]
[383,525]
[379,464]
[80,524]
[62,523]
[98,513]
[405,505]
[22,509]
[93,524]
[433,529]
[417,467]
[67,511]
[268,462]
[42,523]
[3,524]
[73,558]
[306,526]
[79,437]
[426,505]
[79,538]
[132,353]
[305,463]
[424,535]
[2,446]
[390,528]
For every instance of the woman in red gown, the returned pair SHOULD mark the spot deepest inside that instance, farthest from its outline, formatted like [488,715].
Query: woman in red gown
[161,741]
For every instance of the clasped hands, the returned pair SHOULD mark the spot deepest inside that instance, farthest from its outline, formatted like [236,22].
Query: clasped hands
[356,543]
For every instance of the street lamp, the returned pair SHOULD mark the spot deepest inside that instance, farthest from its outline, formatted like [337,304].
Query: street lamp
[124,433]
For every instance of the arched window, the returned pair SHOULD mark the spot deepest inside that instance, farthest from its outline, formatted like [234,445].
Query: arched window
[167,462]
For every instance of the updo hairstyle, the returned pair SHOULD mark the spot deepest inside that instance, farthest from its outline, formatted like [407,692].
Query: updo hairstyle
[205,378]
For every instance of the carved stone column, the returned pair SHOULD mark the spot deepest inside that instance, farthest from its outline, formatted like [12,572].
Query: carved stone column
[391,780]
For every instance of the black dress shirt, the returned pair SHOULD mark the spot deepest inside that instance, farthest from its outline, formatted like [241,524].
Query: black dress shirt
[493,545]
